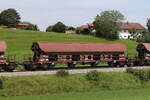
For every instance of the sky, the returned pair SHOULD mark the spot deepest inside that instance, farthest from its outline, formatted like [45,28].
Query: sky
[75,12]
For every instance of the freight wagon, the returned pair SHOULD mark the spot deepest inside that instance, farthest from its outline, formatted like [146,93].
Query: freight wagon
[7,63]
[48,54]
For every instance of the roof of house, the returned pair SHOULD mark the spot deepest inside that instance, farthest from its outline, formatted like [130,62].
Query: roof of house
[3,46]
[128,25]
[23,23]
[86,26]
[79,47]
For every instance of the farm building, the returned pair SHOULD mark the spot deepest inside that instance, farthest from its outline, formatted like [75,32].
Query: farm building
[125,28]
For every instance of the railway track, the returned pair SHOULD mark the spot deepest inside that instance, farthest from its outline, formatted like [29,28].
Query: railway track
[71,71]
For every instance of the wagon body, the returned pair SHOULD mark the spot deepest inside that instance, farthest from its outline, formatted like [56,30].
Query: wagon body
[5,61]
[143,53]
[72,53]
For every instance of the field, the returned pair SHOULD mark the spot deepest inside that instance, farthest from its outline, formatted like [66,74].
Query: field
[20,41]
[136,94]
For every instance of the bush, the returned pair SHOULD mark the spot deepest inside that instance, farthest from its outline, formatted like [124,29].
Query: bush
[62,73]
[130,70]
[93,76]
[79,30]
[143,75]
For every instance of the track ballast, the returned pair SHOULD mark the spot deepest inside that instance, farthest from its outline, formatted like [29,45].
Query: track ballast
[71,71]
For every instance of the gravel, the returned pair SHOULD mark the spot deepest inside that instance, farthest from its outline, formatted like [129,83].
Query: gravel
[71,71]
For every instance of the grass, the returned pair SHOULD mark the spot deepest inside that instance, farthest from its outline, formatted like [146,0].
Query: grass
[131,94]
[20,41]
[30,85]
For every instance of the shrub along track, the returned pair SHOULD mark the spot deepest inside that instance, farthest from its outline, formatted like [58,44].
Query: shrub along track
[70,70]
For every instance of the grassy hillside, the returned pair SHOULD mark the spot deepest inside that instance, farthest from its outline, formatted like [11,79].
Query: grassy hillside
[19,41]
[42,84]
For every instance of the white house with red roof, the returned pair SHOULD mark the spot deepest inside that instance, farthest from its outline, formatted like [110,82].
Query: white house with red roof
[125,28]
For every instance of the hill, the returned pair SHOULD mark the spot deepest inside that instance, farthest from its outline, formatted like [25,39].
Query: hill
[20,41]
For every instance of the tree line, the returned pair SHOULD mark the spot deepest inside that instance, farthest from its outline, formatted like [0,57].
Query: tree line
[11,18]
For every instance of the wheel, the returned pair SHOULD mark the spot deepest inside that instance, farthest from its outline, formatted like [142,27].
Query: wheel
[11,67]
[141,63]
[121,64]
[27,67]
[93,64]
[44,66]
[1,68]
[30,67]
[33,67]
[111,64]
[71,65]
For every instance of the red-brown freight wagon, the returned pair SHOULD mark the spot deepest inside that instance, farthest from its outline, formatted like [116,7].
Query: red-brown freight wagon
[6,62]
[143,54]
[47,54]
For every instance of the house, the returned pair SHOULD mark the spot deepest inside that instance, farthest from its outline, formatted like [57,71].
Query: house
[88,26]
[125,28]
[87,29]
[70,30]
[23,24]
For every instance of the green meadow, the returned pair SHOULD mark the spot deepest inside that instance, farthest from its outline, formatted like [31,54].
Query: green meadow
[136,94]
[112,86]
[20,41]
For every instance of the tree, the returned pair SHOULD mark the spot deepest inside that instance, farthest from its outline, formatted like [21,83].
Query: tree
[79,30]
[31,27]
[106,24]
[49,29]
[144,37]
[148,24]
[59,27]
[134,33]
[9,17]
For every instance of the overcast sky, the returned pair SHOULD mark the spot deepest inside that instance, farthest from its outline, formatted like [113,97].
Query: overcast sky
[76,12]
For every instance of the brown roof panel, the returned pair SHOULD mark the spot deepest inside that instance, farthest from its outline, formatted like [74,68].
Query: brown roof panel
[80,47]
[2,46]
[128,25]
[147,46]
